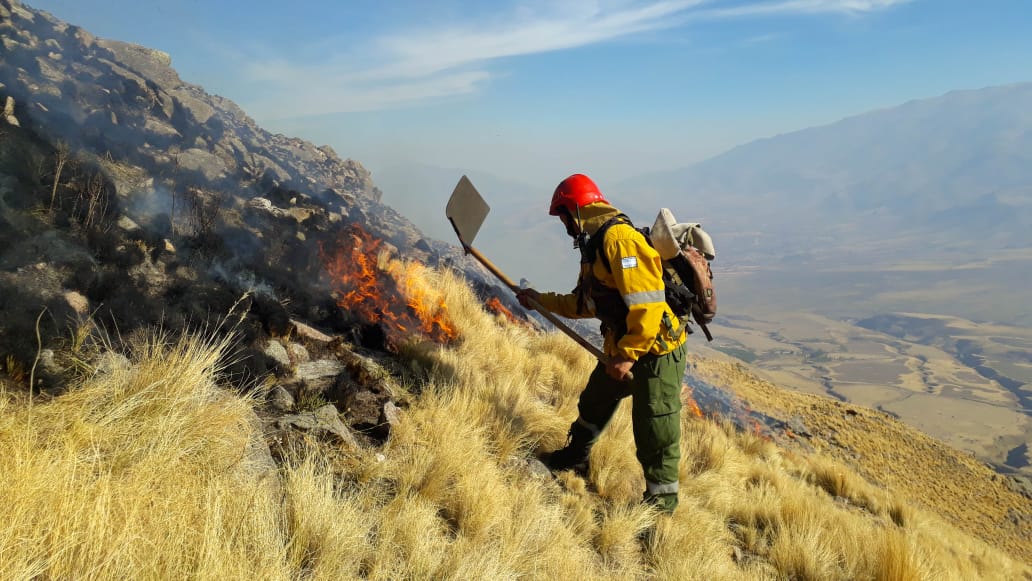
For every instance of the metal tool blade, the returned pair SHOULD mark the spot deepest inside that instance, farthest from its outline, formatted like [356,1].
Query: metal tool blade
[466,210]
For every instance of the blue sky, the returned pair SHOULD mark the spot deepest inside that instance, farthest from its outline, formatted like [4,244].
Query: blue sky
[537,89]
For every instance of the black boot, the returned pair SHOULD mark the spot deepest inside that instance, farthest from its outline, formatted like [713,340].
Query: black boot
[568,459]
[575,455]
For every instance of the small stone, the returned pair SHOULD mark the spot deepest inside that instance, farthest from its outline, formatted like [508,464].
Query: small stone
[277,353]
[48,371]
[319,369]
[281,399]
[126,223]
[325,420]
[538,468]
[391,414]
[297,353]
[310,333]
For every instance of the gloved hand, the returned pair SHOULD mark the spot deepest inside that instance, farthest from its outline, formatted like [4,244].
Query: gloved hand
[526,295]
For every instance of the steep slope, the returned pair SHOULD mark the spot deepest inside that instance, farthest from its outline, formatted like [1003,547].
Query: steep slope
[432,475]
[454,491]
[967,492]
[126,102]
[149,201]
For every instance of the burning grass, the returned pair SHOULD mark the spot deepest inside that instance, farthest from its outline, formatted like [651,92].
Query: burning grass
[377,289]
[494,305]
[145,472]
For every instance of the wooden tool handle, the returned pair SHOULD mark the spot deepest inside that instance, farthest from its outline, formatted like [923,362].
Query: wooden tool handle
[555,320]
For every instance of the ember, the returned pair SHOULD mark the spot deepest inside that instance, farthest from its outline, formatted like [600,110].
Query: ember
[385,292]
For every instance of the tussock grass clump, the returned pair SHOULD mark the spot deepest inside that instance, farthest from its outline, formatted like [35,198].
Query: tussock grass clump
[150,470]
[140,471]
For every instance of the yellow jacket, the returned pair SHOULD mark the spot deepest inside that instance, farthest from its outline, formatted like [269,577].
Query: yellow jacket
[636,274]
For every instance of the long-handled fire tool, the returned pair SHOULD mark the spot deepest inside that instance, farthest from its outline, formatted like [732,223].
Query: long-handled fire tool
[466,210]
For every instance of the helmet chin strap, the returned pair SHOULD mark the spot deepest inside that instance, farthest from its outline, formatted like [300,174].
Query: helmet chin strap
[581,239]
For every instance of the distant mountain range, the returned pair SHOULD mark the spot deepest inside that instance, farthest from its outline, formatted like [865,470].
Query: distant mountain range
[946,174]
[951,167]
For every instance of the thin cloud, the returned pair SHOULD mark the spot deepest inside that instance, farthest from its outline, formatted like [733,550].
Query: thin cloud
[408,67]
[342,97]
[440,50]
[789,7]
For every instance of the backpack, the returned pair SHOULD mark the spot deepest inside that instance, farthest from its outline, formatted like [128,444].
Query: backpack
[686,250]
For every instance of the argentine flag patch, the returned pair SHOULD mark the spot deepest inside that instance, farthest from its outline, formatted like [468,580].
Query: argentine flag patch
[629,262]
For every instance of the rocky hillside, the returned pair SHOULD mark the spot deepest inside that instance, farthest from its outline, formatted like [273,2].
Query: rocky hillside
[130,200]
[148,200]
[126,103]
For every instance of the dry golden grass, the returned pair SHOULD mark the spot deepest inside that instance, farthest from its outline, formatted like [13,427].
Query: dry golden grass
[140,472]
[146,472]
[920,471]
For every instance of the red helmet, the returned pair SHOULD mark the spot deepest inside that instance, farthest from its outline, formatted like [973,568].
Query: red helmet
[575,192]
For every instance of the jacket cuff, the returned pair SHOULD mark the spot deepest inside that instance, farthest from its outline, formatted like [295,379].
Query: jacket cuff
[549,300]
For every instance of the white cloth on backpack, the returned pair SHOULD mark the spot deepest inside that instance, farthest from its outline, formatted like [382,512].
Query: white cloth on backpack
[669,237]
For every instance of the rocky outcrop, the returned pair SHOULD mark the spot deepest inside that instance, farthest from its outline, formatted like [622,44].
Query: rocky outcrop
[126,101]
[134,199]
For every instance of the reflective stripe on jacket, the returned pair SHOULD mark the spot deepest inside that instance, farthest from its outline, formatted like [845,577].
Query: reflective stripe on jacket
[637,275]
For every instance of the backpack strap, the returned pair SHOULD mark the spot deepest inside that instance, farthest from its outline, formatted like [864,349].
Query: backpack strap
[590,247]
[590,250]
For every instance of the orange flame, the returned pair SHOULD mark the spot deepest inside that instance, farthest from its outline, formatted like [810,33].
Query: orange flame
[424,301]
[495,306]
[688,401]
[392,295]
[754,425]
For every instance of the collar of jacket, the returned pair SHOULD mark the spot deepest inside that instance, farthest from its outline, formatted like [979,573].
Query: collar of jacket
[593,216]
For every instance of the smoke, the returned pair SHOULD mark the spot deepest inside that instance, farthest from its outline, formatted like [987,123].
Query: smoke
[241,279]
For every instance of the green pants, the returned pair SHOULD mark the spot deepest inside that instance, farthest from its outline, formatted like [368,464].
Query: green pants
[655,413]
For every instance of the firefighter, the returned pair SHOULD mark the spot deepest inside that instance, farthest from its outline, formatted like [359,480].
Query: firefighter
[621,284]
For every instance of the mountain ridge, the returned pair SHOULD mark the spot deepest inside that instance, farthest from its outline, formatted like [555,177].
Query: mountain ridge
[903,177]
[895,165]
